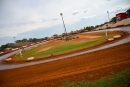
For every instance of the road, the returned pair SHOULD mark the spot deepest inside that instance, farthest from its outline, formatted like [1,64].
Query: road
[12,66]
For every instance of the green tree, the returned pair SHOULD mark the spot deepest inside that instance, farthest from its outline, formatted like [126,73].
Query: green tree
[35,40]
[90,28]
[45,38]
[3,47]
[96,26]
[113,20]
[128,13]
[30,40]
[55,35]
[24,40]
[18,41]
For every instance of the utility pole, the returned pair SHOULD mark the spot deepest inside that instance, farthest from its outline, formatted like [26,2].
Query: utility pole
[64,24]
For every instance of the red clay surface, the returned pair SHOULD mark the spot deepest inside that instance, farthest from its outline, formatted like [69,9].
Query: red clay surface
[87,67]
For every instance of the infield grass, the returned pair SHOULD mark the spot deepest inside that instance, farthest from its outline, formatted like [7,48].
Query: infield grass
[62,48]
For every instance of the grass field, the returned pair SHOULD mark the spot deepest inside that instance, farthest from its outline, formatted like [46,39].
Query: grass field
[58,47]
[120,79]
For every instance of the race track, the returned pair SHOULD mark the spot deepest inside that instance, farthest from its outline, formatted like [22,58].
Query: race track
[12,66]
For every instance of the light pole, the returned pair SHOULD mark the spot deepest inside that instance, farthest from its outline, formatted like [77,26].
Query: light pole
[108,16]
[106,33]
[107,26]
[63,23]
[14,40]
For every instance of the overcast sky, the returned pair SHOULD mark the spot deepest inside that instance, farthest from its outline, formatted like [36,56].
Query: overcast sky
[41,18]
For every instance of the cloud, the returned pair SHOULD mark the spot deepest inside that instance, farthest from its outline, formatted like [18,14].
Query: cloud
[17,17]
[75,12]
[88,17]
[96,5]
[44,20]
[102,3]
[55,19]
[108,0]
[24,16]
[83,18]
[86,10]
[120,9]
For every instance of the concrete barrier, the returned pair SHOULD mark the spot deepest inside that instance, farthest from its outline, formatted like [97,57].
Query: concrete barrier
[30,58]
[117,36]
[1,52]
[110,39]
[8,59]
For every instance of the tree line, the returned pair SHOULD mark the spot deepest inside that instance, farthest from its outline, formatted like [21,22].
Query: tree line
[5,46]
[30,40]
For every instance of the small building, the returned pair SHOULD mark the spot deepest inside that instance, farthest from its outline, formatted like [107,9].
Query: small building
[121,16]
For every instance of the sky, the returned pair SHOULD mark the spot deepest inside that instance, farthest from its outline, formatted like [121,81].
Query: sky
[41,18]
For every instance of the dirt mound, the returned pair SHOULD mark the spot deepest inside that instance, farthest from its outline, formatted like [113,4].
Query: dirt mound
[81,38]
[84,36]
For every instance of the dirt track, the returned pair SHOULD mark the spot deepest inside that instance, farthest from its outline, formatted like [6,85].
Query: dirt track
[83,38]
[90,66]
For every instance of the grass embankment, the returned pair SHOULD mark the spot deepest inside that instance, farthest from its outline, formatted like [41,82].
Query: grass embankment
[58,48]
[121,79]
